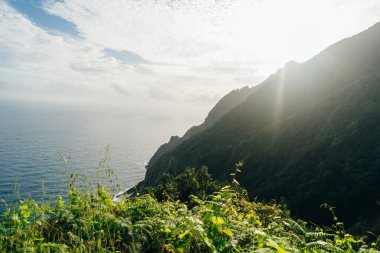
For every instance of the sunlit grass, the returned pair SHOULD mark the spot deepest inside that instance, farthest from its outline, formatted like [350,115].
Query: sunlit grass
[224,221]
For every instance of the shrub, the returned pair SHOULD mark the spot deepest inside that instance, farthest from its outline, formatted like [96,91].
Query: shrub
[223,221]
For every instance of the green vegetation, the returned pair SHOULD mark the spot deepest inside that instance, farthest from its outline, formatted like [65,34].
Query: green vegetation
[225,105]
[224,221]
[309,134]
[189,182]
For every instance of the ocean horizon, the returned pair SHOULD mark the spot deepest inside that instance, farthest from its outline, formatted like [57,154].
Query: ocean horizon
[33,137]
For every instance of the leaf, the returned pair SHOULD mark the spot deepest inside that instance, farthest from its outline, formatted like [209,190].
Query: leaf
[261,233]
[217,220]
[274,245]
[25,211]
[180,236]
[166,230]
[15,218]
[61,202]
[228,232]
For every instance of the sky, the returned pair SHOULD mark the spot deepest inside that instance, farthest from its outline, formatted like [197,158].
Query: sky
[178,54]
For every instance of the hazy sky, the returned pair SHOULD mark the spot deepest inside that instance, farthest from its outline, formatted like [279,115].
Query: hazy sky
[172,52]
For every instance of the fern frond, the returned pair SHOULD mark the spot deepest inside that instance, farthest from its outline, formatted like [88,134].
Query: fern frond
[322,245]
[319,236]
[295,227]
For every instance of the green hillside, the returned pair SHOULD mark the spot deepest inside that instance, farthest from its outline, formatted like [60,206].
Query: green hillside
[221,221]
[309,134]
[225,105]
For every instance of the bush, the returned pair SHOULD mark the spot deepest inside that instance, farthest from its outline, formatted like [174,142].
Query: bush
[222,221]
[190,182]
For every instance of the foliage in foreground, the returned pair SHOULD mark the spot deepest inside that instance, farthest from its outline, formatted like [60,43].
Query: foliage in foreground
[224,221]
[191,181]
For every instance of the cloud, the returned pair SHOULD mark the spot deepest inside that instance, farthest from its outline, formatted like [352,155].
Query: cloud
[168,50]
[126,57]
[160,31]
[35,61]
[202,32]
[158,93]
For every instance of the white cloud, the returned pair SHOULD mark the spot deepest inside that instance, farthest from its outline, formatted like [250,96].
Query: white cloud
[36,62]
[195,50]
[202,32]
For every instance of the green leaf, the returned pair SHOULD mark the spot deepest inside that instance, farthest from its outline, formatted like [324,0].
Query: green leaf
[217,220]
[274,245]
[180,236]
[228,232]
[25,211]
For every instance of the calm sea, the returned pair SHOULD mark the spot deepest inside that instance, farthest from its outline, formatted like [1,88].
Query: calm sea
[32,135]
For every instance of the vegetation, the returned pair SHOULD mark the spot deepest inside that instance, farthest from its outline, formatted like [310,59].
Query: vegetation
[309,134]
[189,182]
[226,104]
[224,221]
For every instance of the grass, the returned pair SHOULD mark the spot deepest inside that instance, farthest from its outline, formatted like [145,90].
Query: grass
[224,221]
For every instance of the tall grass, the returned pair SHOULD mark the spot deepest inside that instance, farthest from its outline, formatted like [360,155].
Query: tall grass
[224,221]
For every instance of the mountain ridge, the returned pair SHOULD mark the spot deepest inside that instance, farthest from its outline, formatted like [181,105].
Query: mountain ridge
[300,136]
[223,106]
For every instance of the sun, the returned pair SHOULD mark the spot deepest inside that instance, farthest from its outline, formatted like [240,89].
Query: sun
[280,31]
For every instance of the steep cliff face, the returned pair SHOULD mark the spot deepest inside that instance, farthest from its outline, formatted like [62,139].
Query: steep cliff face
[225,105]
[309,133]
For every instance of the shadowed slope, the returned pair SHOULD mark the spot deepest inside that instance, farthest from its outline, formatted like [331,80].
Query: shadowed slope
[309,133]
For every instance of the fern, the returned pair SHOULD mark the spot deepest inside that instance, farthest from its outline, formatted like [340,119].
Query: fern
[294,226]
[319,236]
[224,221]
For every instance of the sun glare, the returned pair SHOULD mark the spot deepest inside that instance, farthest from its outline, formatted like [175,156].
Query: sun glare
[281,31]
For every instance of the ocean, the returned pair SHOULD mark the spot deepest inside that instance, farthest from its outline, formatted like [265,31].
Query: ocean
[33,137]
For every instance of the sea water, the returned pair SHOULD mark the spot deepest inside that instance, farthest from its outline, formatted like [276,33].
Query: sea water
[33,137]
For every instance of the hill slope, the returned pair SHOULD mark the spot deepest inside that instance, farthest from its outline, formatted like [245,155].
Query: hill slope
[310,133]
[225,105]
